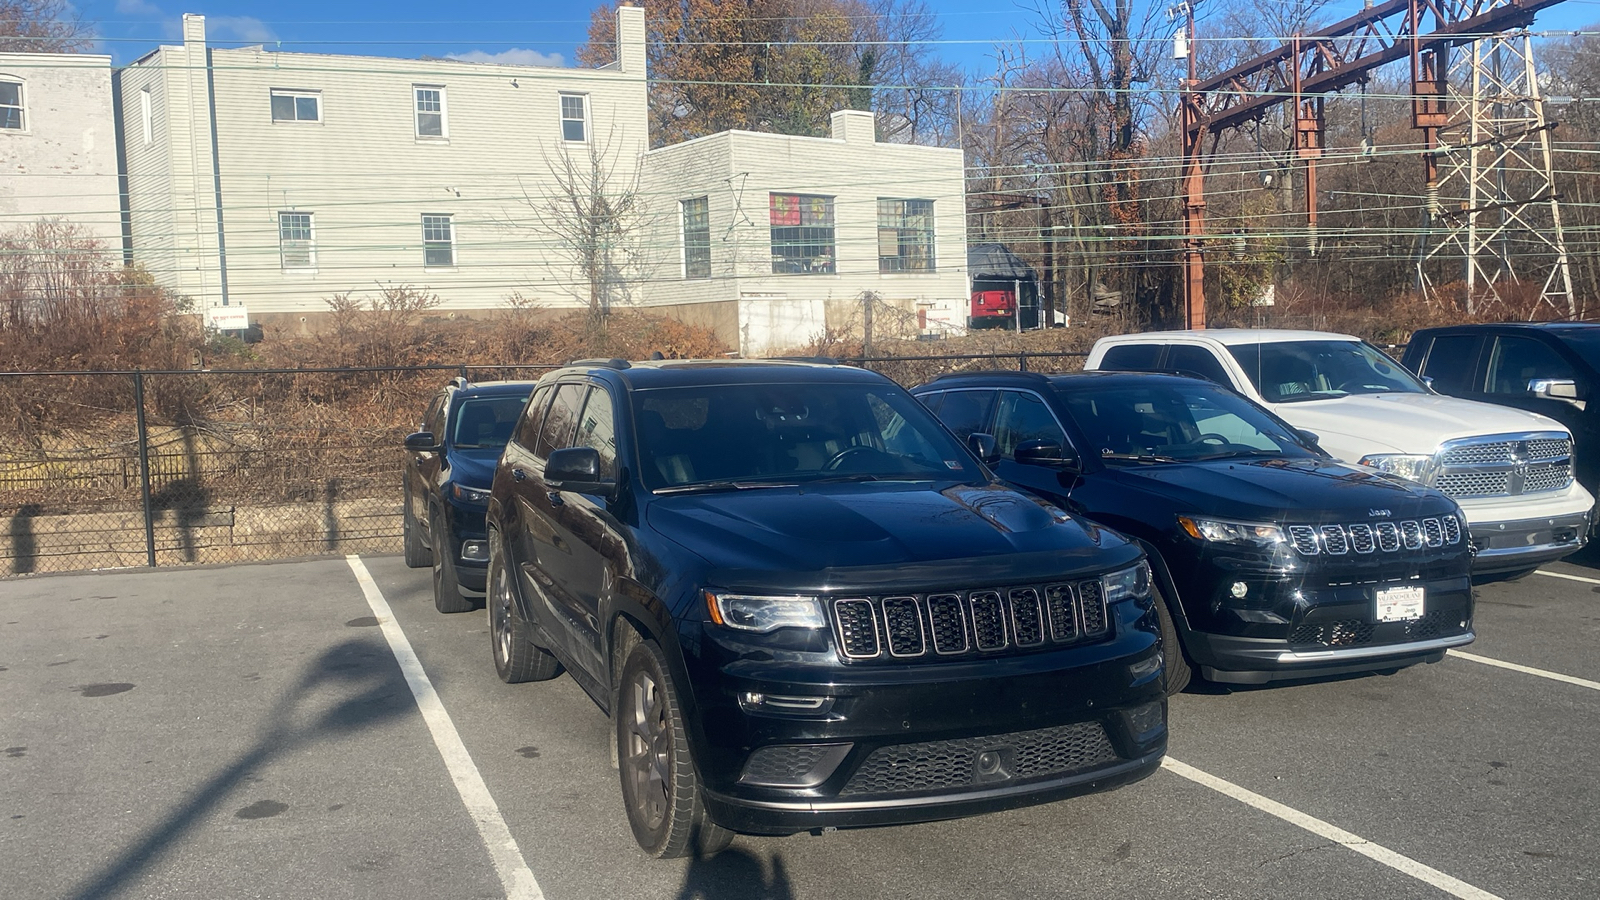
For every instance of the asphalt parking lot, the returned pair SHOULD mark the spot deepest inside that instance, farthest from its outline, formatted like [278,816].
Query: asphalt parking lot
[285,730]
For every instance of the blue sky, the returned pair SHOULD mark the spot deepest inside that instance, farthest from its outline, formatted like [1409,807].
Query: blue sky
[541,32]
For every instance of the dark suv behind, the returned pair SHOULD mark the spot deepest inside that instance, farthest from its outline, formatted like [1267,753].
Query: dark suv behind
[1276,561]
[805,604]
[449,465]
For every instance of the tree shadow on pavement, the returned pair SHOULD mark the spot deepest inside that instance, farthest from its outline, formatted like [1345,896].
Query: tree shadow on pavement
[735,874]
[371,693]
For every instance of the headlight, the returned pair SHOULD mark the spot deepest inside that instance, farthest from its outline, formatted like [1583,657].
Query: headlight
[1223,532]
[761,614]
[1410,466]
[469,495]
[1127,584]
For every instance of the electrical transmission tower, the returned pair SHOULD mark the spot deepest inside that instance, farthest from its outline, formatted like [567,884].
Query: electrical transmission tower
[1492,213]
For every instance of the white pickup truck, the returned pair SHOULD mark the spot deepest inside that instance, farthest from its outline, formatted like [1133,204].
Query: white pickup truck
[1510,470]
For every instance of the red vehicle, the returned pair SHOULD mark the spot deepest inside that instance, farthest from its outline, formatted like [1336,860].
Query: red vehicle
[993,308]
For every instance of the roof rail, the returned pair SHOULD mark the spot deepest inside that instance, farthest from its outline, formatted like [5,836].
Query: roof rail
[460,381]
[991,373]
[612,363]
[817,360]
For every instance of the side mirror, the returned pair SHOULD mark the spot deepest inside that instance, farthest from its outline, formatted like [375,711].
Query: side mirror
[1564,389]
[1042,452]
[1427,381]
[577,469]
[983,446]
[1310,437]
[422,441]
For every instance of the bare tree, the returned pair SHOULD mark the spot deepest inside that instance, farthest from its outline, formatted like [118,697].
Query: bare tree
[43,26]
[597,214]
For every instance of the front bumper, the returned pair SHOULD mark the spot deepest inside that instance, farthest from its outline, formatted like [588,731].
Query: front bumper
[1526,543]
[914,742]
[469,532]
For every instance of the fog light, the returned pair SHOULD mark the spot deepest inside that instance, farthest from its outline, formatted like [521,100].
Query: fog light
[477,551]
[793,765]
[1146,719]
[1146,667]
[781,704]
[1239,589]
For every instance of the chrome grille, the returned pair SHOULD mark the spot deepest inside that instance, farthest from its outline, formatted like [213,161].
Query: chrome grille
[913,626]
[1505,465]
[1365,537]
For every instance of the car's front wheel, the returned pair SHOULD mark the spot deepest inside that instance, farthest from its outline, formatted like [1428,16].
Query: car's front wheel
[516,657]
[660,787]
[446,589]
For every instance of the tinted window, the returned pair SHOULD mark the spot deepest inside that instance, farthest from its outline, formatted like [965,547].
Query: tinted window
[598,429]
[1024,417]
[728,436]
[1177,420]
[1131,357]
[964,412]
[485,423]
[528,429]
[561,420]
[1518,360]
[1451,361]
[1189,360]
[433,419]
[1294,371]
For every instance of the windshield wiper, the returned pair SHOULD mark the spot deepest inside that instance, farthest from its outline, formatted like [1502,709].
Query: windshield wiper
[1240,454]
[1140,457]
[700,486]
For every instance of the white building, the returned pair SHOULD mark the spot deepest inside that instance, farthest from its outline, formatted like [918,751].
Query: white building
[772,238]
[276,180]
[58,150]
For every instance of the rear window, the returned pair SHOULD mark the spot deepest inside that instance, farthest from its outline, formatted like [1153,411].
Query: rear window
[486,423]
[1131,357]
[1450,362]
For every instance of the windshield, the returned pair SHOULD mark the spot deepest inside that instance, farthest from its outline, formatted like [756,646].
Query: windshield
[1292,371]
[485,423]
[737,435]
[1175,420]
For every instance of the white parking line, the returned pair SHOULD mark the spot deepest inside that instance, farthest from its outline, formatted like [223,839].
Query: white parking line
[513,870]
[1404,864]
[1568,577]
[1528,670]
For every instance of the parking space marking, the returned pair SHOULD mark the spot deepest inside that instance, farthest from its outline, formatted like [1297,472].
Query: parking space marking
[1567,577]
[1404,864]
[1528,670]
[513,870]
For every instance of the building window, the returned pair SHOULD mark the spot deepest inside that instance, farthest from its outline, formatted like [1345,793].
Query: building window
[147,116]
[574,117]
[697,238]
[296,106]
[905,235]
[438,242]
[296,241]
[802,235]
[11,105]
[431,111]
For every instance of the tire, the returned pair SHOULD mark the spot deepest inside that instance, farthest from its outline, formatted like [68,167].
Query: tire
[516,658]
[1175,671]
[416,551]
[660,788]
[446,589]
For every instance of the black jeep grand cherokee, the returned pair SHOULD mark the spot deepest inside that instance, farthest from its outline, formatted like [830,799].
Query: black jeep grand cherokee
[805,604]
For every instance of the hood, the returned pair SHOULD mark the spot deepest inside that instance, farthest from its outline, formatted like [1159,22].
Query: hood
[1351,427]
[883,532]
[1282,490]
[473,468]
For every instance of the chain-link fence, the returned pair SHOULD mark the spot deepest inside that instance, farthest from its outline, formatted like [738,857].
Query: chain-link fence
[112,469]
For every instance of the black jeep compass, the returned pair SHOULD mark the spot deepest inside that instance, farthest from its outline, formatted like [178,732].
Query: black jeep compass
[805,604]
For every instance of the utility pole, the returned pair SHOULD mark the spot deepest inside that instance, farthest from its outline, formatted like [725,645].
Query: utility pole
[1194,207]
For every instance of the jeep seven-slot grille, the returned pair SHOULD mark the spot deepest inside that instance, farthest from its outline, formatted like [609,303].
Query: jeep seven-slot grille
[950,623]
[1364,537]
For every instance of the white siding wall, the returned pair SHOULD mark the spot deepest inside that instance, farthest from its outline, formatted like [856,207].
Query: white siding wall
[367,178]
[64,161]
[738,170]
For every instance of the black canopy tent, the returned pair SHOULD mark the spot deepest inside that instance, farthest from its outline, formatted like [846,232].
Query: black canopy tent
[993,267]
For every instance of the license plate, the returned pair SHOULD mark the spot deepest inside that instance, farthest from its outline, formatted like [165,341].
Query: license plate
[1399,604]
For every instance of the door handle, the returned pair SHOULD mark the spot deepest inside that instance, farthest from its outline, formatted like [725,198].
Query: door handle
[518,475]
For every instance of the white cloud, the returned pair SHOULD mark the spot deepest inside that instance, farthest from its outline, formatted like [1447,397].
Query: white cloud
[238,28]
[137,8]
[516,56]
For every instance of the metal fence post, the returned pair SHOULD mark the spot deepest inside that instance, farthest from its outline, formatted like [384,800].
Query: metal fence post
[1022,362]
[144,469]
